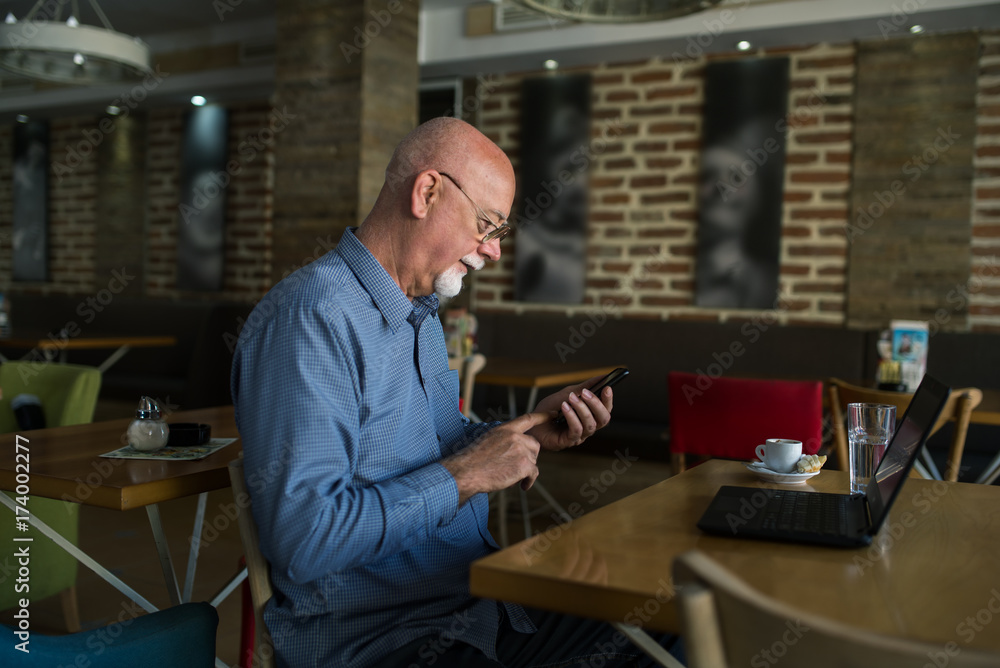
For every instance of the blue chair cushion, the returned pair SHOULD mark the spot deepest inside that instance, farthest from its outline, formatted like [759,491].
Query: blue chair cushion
[180,636]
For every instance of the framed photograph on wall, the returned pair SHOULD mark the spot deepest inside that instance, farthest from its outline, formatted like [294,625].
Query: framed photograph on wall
[741,183]
[551,244]
[30,193]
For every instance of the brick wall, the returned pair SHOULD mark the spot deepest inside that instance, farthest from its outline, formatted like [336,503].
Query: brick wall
[984,287]
[249,200]
[646,127]
[72,209]
[74,197]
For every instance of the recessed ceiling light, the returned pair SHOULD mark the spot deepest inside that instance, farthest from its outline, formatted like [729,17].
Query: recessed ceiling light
[916,29]
[79,59]
[551,64]
[21,118]
[198,101]
[744,45]
[112,110]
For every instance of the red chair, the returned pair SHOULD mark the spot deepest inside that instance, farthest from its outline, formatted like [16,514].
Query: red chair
[729,417]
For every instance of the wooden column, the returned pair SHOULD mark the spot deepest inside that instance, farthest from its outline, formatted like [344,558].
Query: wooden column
[346,87]
[909,229]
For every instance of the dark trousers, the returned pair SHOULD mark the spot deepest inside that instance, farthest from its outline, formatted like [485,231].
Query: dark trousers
[561,641]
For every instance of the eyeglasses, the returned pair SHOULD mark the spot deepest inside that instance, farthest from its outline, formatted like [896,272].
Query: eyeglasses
[502,229]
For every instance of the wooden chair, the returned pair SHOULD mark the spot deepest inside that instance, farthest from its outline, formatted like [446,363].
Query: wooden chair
[726,623]
[258,570]
[467,368]
[959,408]
[730,417]
[68,394]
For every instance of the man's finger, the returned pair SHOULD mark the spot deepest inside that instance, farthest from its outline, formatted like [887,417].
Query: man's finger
[523,423]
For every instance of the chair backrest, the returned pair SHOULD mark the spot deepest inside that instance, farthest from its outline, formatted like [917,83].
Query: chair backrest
[68,392]
[730,417]
[959,407]
[726,623]
[258,570]
[467,368]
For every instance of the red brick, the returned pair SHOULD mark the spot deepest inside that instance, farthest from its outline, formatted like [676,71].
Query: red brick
[652,76]
[671,127]
[795,231]
[650,147]
[801,158]
[619,163]
[817,214]
[657,181]
[606,182]
[825,63]
[816,251]
[986,231]
[663,163]
[617,267]
[832,137]
[622,96]
[671,93]
[608,79]
[794,270]
[616,198]
[661,233]
[820,177]
[665,198]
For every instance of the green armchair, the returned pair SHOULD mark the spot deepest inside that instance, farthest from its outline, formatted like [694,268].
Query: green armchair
[68,394]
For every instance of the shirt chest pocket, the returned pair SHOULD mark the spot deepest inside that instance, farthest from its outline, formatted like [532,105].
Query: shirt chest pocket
[448,422]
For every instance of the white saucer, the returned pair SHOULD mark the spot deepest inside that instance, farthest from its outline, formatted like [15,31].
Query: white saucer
[773,476]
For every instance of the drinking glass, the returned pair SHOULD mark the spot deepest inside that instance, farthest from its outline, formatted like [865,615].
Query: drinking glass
[869,429]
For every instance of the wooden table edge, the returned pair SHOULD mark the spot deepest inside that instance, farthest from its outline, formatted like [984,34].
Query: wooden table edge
[579,599]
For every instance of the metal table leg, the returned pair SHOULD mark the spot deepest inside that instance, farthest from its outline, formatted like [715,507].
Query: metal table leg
[166,563]
[199,518]
[641,639]
[82,557]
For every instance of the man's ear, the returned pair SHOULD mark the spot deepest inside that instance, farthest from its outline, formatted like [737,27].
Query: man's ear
[426,192]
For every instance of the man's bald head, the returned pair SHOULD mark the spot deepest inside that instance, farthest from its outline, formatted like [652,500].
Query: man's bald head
[447,145]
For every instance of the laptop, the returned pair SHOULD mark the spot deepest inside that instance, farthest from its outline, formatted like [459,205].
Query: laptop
[824,518]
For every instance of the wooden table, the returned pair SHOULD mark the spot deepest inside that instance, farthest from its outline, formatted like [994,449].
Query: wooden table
[935,563]
[65,463]
[49,345]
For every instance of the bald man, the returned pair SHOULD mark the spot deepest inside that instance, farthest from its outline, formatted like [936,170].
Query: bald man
[368,485]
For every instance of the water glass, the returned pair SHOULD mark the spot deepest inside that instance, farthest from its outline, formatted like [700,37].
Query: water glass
[869,430]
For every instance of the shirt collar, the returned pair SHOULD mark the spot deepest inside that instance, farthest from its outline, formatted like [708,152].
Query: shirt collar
[395,307]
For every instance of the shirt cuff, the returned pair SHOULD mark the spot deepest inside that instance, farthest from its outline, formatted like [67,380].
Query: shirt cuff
[440,493]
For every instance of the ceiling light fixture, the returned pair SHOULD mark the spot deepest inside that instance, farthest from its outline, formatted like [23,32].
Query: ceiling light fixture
[198,100]
[551,65]
[618,11]
[744,45]
[47,48]
[916,29]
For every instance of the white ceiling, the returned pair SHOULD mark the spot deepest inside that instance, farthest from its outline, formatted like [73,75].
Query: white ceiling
[444,51]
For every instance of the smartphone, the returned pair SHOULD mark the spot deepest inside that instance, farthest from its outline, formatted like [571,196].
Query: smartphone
[611,379]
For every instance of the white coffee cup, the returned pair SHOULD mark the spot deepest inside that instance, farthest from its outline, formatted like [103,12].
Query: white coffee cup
[780,454]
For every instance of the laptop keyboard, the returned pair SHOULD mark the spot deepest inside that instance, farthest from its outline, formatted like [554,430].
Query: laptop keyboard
[805,511]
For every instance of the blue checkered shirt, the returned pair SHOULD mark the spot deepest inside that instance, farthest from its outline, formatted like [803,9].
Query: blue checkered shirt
[345,405]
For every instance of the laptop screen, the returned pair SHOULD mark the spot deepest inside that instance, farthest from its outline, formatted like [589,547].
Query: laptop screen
[910,435]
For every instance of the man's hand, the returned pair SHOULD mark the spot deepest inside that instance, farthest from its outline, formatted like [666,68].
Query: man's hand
[503,456]
[584,411]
